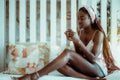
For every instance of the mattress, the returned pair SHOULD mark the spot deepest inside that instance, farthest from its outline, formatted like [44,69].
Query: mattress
[57,76]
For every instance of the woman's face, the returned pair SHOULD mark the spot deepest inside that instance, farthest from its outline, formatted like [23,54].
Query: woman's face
[83,20]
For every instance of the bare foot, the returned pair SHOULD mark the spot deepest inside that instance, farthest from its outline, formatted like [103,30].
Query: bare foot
[33,76]
[25,77]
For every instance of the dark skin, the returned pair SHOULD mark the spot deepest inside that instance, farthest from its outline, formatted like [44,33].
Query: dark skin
[73,63]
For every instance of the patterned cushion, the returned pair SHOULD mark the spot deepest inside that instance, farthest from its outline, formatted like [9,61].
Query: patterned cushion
[25,58]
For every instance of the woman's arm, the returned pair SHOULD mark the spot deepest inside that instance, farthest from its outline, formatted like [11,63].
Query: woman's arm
[98,40]
[69,33]
[76,46]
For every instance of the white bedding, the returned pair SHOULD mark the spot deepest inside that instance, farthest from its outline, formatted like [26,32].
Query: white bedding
[47,77]
[57,76]
[52,76]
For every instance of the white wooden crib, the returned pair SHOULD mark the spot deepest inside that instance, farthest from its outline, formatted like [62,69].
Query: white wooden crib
[35,21]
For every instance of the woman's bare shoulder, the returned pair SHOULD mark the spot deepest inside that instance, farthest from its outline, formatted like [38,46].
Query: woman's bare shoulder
[99,35]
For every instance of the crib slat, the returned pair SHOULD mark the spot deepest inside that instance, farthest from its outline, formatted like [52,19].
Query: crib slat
[81,3]
[104,14]
[33,21]
[113,37]
[22,20]
[53,22]
[89,2]
[73,15]
[63,22]
[2,35]
[12,21]
[43,27]
[94,5]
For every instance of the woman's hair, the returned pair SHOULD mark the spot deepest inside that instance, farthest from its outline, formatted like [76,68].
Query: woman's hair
[106,48]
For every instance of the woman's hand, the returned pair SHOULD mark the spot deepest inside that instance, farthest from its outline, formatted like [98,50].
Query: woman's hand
[69,34]
[72,36]
[76,39]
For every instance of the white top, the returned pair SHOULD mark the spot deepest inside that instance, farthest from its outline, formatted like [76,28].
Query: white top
[100,59]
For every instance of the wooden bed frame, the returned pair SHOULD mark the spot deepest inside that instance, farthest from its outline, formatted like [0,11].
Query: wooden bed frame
[37,21]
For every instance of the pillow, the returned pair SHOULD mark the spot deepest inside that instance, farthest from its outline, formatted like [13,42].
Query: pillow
[26,58]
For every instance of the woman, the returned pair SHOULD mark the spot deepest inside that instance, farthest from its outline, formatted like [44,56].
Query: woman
[92,57]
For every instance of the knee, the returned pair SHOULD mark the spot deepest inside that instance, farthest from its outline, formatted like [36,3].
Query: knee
[67,52]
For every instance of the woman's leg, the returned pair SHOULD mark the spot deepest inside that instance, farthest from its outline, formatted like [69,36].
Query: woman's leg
[75,59]
[84,66]
[68,71]
[79,62]
[59,62]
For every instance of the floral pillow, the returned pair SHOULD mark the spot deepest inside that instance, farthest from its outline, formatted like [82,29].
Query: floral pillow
[27,58]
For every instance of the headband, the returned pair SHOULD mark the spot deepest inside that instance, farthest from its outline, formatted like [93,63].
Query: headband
[91,13]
